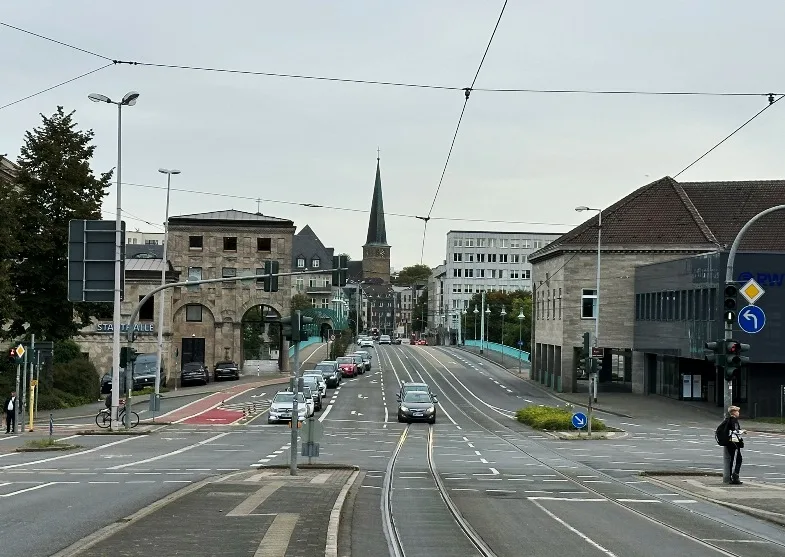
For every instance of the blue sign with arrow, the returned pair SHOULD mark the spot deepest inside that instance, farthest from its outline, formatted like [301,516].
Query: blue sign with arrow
[751,319]
[520,343]
[579,420]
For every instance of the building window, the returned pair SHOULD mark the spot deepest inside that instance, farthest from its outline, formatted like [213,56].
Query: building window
[712,303]
[480,242]
[515,244]
[313,302]
[230,243]
[469,242]
[457,257]
[683,305]
[470,273]
[468,288]
[526,274]
[504,243]
[457,272]
[193,312]
[588,303]
[311,282]
[457,243]
[325,303]
[480,258]
[151,242]
[526,244]
[491,242]
[264,244]
[658,306]
[316,262]
[491,258]
[228,272]
[501,274]
[502,258]
[194,273]
[481,273]
[537,244]
[559,303]
[470,258]
[691,305]
[515,258]
[456,287]
[194,242]
[299,284]
[147,311]
[301,262]
[677,305]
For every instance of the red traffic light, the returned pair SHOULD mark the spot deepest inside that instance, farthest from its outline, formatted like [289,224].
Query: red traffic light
[734,348]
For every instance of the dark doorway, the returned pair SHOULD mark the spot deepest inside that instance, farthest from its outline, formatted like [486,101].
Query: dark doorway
[193,350]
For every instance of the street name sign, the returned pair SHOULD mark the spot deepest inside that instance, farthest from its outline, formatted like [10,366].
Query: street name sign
[751,319]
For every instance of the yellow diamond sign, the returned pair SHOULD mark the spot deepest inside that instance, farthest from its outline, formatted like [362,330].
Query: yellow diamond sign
[20,351]
[752,291]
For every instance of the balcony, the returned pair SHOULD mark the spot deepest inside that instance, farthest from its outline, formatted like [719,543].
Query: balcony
[319,289]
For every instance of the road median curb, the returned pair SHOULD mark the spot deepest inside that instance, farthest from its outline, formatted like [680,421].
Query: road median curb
[56,448]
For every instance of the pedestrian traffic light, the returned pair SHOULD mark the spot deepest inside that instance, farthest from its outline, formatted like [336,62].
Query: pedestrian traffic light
[127,355]
[713,353]
[271,280]
[734,359]
[340,270]
[731,302]
[12,356]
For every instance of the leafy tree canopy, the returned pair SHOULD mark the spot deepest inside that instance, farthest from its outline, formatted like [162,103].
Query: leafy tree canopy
[414,274]
[301,302]
[55,184]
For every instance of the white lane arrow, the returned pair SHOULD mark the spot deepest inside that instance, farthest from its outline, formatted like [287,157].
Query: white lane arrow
[749,315]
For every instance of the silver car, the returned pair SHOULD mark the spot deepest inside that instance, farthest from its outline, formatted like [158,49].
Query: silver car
[315,373]
[281,407]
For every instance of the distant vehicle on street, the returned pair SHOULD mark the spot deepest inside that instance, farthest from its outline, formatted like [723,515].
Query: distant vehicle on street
[330,372]
[417,406]
[226,370]
[397,340]
[366,358]
[385,339]
[347,366]
[365,343]
[195,372]
[143,374]
[281,407]
[360,361]
[414,387]
[421,342]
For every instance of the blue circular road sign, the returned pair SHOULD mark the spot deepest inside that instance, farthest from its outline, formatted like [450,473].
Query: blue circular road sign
[520,343]
[751,319]
[579,420]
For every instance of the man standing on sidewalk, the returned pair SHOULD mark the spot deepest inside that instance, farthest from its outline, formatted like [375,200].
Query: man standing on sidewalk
[735,444]
[10,413]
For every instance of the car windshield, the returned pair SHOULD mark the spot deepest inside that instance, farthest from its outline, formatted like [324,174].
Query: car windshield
[316,376]
[324,367]
[225,364]
[287,397]
[417,396]
[345,361]
[192,366]
[415,388]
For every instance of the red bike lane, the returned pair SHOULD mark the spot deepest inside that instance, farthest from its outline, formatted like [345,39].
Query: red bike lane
[205,411]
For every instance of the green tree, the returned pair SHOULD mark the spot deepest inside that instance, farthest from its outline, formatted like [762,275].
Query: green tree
[55,184]
[301,302]
[414,274]
[420,313]
[9,249]
[513,303]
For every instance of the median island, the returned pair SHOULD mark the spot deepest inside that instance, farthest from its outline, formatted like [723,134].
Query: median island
[557,420]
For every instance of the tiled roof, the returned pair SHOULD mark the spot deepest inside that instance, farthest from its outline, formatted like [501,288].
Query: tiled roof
[230,215]
[308,245]
[355,272]
[689,215]
[155,265]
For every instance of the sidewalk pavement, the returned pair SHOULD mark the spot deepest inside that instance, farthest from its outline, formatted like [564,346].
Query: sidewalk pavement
[263,512]
[762,500]
[629,405]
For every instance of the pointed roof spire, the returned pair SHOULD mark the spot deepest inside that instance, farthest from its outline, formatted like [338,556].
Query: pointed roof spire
[377,232]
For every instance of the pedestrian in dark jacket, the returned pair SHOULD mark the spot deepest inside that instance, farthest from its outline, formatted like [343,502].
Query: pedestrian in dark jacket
[10,412]
[735,444]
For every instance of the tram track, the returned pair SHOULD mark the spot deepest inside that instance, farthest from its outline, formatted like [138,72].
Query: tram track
[491,425]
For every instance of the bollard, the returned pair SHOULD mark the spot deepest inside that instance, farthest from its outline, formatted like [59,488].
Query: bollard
[51,425]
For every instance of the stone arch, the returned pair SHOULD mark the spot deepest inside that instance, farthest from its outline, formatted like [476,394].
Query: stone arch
[260,336]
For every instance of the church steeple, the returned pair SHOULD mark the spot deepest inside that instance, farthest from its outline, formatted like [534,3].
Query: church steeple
[377,232]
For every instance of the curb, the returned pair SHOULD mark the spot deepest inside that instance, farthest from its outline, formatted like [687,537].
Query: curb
[666,473]
[110,432]
[55,448]
[333,526]
[326,466]
[768,516]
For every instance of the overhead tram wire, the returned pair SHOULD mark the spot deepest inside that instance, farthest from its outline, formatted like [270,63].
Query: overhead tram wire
[41,92]
[466,93]
[578,91]
[334,208]
[772,101]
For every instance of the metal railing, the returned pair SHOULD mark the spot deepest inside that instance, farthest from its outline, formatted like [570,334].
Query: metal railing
[501,349]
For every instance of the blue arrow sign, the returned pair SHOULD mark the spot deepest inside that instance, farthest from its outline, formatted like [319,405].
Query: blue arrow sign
[751,319]
[520,343]
[579,420]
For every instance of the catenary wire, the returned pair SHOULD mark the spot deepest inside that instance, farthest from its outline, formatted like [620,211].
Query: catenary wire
[55,41]
[772,101]
[467,93]
[578,91]
[334,208]
[55,86]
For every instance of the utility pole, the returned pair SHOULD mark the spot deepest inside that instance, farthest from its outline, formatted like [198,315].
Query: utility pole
[482,322]
[294,384]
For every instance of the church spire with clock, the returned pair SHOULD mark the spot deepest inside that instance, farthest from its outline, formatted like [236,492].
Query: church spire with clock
[376,251]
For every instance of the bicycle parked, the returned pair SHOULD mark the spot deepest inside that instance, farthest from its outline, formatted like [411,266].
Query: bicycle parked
[104,417]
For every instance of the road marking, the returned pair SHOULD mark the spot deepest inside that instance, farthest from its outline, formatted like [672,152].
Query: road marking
[50,459]
[639,500]
[165,455]
[47,484]
[255,499]
[583,536]
[495,471]
[324,414]
[276,540]
[321,478]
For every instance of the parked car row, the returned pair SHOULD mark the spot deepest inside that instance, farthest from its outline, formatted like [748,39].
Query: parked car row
[364,341]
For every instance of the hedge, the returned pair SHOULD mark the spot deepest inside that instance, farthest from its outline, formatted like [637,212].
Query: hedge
[552,418]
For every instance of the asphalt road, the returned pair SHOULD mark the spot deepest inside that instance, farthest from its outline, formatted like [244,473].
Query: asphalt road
[477,473]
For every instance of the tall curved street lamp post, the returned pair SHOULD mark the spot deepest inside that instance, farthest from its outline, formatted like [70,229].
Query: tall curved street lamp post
[503,313]
[487,325]
[128,100]
[520,339]
[475,312]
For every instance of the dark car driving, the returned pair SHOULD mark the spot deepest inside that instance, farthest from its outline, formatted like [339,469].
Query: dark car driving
[226,370]
[417,406]
[195,372]
[330,372]
[144,370]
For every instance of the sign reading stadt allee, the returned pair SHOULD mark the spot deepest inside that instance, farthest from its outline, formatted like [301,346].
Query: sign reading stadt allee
[138,327]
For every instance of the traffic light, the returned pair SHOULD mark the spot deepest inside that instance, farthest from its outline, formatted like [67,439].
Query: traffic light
[584,362]
[731,302]
[304,333]
[271,280]
[733,358]
[127,355]
[286,328]
[713,353]
[12,355]
[340,270]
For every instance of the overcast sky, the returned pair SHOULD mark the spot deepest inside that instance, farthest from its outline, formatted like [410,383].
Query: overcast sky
[527,157]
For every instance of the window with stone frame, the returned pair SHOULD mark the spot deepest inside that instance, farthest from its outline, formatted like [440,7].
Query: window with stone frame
[230,243]
[193,312]
[588,303]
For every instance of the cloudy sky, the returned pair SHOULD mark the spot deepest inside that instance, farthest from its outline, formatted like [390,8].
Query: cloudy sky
[524,158]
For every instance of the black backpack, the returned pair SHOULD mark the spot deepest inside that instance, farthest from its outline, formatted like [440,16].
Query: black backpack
[722,433]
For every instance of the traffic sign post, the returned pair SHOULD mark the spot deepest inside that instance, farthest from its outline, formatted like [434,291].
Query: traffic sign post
[579,420]
[752,291]
[752,319]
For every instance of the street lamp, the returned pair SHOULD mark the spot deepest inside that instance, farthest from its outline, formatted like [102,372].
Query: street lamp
[128,100]
[475,312]
[463,326]
[487,325]
[520,339]
[597,299]
[159,356]
[503,313]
